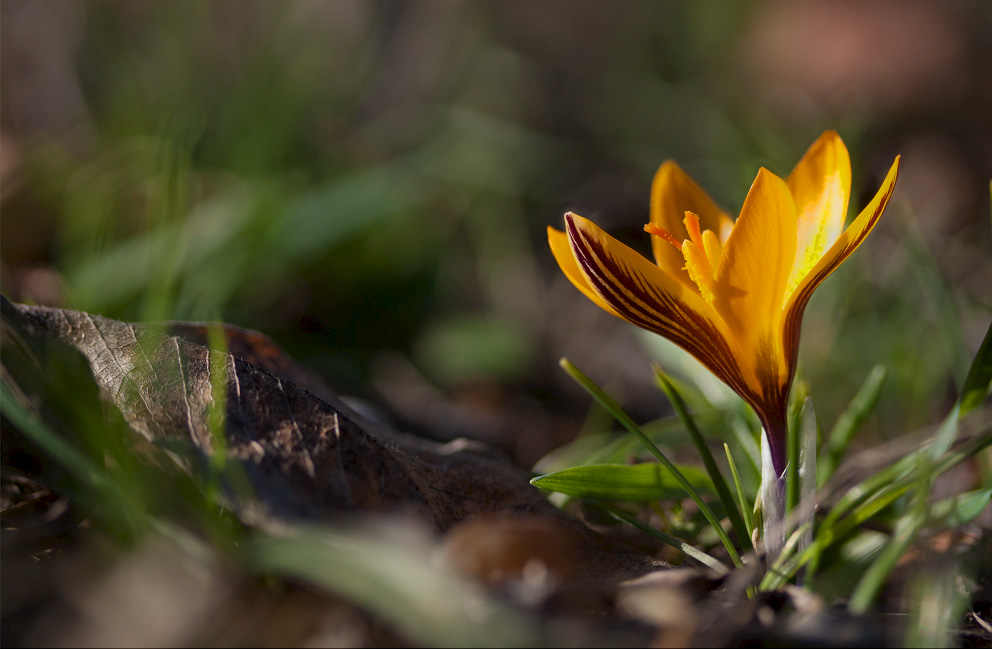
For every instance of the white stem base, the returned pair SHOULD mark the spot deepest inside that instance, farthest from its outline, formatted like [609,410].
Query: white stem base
[772,504]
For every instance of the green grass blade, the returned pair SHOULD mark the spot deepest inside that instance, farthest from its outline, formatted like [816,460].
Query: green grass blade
[793,446]
[57,448]
[870,485]
[664,537]
[629,424]
[960,509]
[966,450]
[615,448]
[623,482]
[747,440]
[939,603]
[786,554]
[979,380]
[736,520]
[944,438]
[910,525]
[850,421]
[111,487]
[393,576]
[905,533]
[871,500]
[217,409]
[748,521]
[933,288]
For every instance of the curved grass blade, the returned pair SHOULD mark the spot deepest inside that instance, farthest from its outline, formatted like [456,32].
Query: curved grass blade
[393,576]
[905,533]
[908,527]
[786,553]
[940,606]
[73,460]
[850,421]
[748,521]
[623,482]
[793,447]
[690,550]
[869,501]
[979,380]
[629,424]
[678,403]
[960,509]
[616,447]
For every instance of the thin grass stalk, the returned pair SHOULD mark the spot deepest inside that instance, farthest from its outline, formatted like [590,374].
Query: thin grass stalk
[686,548]
[729,504]
[628,423]
[745,510]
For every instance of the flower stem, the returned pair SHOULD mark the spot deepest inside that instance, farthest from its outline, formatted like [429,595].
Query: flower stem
[773,487]
[776,430]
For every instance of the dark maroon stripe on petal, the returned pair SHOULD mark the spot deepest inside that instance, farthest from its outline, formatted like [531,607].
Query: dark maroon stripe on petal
[613,280]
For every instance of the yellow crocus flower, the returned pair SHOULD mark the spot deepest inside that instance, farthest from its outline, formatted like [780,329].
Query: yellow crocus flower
[732,294]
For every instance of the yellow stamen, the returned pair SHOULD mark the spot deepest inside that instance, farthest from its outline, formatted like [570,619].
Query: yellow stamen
[706,241]
[712,247]
[692,226]
[699,269]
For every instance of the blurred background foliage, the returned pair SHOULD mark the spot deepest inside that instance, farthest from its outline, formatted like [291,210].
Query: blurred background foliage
[369,183]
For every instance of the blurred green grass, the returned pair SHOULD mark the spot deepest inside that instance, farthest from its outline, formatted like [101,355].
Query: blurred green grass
[360,179]
[369,183]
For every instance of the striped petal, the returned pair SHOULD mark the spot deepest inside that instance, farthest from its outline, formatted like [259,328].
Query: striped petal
[846,244]
[751,278]
[673,193]
[641,293]
[566,260]
[820,186]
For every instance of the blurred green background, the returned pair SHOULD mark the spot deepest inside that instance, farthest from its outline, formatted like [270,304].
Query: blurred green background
[369,183]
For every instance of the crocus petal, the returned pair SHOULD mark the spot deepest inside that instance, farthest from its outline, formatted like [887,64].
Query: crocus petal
[566,260]
[846,244]
[820,186]
[673,192]
[752,275]
[641,293]
[732,295]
